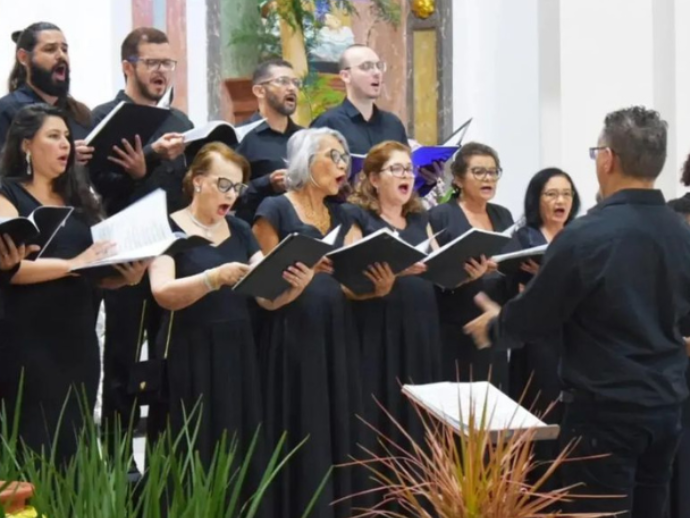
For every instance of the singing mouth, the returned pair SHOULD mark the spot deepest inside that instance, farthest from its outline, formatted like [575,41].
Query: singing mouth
[60,72]
[223,209]
[404,188]
[158,81]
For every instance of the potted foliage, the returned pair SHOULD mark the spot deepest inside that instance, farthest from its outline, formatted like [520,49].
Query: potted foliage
[476,474]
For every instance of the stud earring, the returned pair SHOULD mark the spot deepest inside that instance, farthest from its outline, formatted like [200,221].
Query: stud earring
[197,189]
[28,163]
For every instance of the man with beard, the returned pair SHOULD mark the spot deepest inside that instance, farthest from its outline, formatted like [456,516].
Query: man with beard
[148,66]
[276,86]
[41,75]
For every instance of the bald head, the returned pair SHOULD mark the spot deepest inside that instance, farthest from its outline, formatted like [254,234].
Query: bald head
[362,71]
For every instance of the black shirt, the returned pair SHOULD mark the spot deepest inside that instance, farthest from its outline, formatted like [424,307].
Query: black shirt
[362,135]
[119,190]
[11,103]
[617,282]
[266,151]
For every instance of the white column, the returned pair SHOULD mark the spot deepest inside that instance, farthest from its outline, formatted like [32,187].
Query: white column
[94,46]
[197,72]
[496,81]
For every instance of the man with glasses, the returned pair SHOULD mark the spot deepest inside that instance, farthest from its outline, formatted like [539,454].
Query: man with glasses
[148,66]
[276,87]
[358,118]
[617,284]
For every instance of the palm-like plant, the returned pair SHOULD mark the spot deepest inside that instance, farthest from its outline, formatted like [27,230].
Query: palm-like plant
[476,474]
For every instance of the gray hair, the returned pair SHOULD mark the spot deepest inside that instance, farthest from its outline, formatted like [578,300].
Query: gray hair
[638,137]
[301,148]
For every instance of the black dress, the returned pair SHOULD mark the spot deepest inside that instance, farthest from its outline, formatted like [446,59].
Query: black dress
[311,366]
[212,357]
[400,336]
[49,331]
[461,359]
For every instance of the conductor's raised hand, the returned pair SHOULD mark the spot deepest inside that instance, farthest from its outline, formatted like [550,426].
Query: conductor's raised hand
[131,159]
[479,327]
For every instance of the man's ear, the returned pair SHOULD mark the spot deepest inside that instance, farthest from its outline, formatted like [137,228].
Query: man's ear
[23,57]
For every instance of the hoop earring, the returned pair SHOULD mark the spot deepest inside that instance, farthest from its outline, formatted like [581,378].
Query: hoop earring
[29,169]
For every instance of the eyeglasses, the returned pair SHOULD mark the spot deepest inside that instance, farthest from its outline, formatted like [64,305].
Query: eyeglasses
[284,81]
[594,151]
[482,173]
[399,170]
[554,195]
[368,66]
[226,185]
[337,157]
[166,65]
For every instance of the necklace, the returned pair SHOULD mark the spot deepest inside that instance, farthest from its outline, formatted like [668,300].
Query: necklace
[208,229]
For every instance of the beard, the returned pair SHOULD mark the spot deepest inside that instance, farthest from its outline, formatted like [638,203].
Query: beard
[43,79]
[146,93]
[274,102]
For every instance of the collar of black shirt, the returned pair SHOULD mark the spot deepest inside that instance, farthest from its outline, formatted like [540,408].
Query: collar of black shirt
[26,94]
[352,111]
[634,197]
[265,128]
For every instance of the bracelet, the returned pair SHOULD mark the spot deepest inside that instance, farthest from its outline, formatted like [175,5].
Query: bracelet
[208,282]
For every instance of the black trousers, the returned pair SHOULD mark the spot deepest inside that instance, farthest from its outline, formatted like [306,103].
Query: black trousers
[123,318]
[641,444]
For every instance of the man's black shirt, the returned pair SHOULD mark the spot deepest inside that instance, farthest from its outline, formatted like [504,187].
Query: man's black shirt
[361,135]
[23,96]
[266,150]
[617,282]
[119,190]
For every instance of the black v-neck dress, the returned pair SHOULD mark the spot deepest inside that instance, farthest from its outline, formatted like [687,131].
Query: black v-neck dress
[48,332]
[311,366]
[457,307]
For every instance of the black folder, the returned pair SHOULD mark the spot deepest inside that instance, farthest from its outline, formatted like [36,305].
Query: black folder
[446,266]
[382,246]
[510,264]
[265,280]
[38,228]
[125,121]
[216,131]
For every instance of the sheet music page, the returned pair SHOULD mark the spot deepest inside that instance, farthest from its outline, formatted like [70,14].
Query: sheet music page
[143,224]
[448,399]
[332,236]
[521,253]
[243,131]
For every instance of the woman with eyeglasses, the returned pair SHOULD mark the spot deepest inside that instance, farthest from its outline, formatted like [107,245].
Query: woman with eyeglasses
[207,334]
[476,170]
[551,203]
[400,333]
[310,347]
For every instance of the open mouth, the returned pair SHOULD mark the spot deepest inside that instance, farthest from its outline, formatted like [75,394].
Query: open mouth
[487,189]
[60,72]
[376,85]
[290,99]
[560,212]
[341,180]
[223,209]
[158,81]
[404,188]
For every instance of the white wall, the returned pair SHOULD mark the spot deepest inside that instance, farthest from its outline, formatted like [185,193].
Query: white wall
[94,31]
[540,76]
[496,67]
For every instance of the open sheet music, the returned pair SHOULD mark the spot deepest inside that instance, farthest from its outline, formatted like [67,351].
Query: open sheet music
[39,228]
[453,403]
[141,231]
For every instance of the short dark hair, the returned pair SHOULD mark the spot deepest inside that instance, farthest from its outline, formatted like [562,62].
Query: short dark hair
[535,190]
[343,62]
[637,136]
[680,205]
[263,70]
[462,160]
[130,46]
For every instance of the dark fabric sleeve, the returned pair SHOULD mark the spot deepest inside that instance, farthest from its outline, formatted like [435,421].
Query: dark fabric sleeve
[257,190]
[5,121]
[438,220]
[270,211]
[245,232]
[549,300]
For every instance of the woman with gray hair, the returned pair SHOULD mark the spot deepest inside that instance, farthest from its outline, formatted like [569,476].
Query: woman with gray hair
[310,347]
